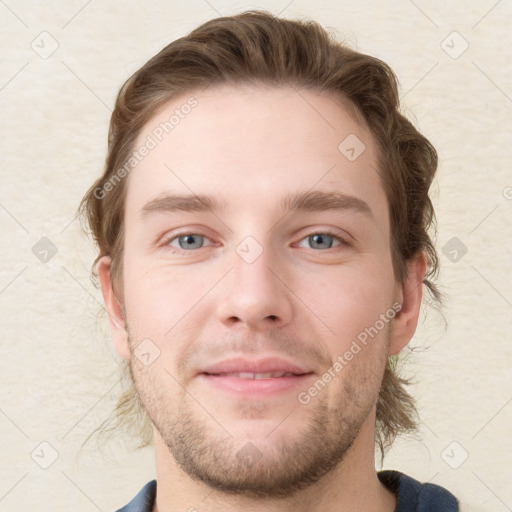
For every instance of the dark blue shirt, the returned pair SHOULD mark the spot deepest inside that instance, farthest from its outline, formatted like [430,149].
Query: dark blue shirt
[411,495]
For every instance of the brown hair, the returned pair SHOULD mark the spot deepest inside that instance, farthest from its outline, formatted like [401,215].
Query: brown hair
[256,47]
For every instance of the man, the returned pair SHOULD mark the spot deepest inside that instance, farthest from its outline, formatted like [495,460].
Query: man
[262,229]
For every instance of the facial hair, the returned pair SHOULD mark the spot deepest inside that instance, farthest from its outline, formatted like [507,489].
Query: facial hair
[278,465]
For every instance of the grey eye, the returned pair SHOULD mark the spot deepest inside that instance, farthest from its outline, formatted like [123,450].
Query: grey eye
[188,241]
[320,241]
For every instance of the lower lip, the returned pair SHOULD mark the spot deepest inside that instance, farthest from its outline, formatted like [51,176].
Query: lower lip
[255,387]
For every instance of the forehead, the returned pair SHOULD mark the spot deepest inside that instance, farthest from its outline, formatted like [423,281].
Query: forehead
[251,145]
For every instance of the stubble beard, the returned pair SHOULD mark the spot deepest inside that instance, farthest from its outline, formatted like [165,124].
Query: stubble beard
[275,466]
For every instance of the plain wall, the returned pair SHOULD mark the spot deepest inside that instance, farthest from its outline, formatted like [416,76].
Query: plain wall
[58,370]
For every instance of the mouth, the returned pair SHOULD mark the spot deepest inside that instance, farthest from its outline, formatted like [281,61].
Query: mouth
[255,379]
[268,367]
[256,376]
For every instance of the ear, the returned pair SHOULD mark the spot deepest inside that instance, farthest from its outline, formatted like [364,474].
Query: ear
[410,295]
[114,308]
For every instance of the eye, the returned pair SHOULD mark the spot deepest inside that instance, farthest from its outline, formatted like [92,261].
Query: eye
[187,241]
[324,240]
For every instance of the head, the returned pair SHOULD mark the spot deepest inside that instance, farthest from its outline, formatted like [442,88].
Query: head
[250,110]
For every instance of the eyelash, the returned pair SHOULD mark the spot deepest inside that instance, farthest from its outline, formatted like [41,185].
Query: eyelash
[327,231]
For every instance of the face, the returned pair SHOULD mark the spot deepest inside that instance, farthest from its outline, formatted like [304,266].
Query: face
[242,306]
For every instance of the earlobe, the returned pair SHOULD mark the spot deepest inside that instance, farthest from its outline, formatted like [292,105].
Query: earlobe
[410,296]
[114,308]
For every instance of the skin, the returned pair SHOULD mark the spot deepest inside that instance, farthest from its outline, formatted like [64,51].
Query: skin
[300,300]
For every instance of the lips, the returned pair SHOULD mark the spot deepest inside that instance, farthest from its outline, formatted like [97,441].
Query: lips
[268,368]
[247,379]
[251,375]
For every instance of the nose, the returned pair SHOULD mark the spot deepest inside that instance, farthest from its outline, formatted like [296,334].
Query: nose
[255,294]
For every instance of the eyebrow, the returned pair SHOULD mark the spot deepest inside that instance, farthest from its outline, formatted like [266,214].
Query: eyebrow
[310,201]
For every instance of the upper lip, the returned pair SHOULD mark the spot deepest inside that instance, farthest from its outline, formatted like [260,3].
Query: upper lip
[267,365]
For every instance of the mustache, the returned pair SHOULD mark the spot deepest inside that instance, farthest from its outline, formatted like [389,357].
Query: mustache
[196,353]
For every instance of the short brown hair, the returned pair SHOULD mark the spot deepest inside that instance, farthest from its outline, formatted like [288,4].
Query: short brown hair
[257,48]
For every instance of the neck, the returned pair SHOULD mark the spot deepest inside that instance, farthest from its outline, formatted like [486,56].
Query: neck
[352,485]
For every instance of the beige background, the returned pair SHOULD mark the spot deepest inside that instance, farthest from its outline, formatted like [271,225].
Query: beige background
[58,370]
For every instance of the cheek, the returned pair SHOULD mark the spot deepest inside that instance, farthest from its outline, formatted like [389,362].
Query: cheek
[341,300]
[158,298]
[348,301]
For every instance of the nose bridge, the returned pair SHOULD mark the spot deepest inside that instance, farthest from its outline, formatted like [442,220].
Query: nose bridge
[255,295]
